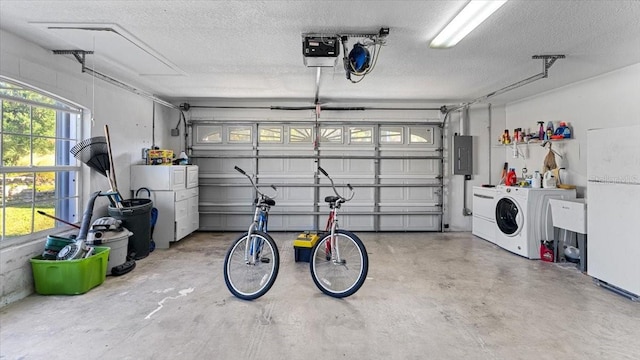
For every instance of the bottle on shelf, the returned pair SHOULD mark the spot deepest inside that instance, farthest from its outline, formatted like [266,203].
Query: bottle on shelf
[512,178]
[506,139]
[567,132]
[564,130]
[541,131]
[537,180]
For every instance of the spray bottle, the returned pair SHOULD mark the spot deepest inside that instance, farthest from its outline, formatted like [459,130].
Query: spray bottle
[541,131]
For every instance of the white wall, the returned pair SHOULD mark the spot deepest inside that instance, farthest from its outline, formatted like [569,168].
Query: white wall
[609,100]
[484,122]
[129,117]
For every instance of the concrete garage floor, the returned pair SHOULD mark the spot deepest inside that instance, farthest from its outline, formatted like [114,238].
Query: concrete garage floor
[428,296]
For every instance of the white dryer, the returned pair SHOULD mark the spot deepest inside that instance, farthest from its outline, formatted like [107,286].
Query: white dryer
[523,218]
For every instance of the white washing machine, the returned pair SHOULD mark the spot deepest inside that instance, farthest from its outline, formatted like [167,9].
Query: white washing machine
[484,213]
[523,218]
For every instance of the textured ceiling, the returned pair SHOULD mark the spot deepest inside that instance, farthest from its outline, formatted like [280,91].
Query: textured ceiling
[253,50]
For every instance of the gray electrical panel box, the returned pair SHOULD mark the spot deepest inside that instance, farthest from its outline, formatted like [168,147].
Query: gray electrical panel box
[463,155]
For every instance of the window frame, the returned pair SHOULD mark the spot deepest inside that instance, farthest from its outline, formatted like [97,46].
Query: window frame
[66,169]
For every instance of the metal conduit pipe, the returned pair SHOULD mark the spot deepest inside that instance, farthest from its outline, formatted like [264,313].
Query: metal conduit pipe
[80,56]
[547,62]
[288,122]
[464,117]
[489,142]
[313,107]
[318,72]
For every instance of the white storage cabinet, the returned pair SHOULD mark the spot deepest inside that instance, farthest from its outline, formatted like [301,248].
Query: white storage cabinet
[174,192]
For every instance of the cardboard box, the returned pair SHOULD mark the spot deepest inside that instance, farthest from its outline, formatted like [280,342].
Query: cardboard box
[160,157]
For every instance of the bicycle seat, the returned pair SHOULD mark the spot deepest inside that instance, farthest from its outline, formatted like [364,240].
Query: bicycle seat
[268,201]
[331,199]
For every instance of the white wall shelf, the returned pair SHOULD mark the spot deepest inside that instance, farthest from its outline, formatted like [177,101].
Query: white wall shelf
[533,141]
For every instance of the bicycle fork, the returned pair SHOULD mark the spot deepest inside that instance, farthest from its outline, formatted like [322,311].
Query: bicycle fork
[253,247]
[332,247]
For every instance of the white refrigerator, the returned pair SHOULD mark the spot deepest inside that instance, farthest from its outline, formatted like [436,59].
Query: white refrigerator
[613,218]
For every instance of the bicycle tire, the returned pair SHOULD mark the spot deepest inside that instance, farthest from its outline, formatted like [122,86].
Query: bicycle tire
[246,281]
[339,280]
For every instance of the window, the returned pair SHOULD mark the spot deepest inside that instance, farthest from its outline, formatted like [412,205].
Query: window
[300,135]
[239,134]
[270,135]
[331,135]
[209,134]
[391,135]
[420,135]
[359,135]
[38,173]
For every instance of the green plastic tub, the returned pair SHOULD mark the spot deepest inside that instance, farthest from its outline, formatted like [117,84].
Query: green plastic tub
[70,277]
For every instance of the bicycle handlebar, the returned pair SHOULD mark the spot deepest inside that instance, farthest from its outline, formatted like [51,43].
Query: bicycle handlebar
[240,170]
[255,186]
[334,186]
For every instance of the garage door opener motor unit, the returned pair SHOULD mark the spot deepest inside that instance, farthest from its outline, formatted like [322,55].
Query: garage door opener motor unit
[320,51]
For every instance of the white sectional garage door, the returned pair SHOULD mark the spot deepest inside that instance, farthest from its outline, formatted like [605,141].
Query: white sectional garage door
[395,170]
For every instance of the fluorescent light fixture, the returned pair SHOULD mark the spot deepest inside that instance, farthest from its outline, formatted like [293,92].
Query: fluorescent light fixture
[468,19]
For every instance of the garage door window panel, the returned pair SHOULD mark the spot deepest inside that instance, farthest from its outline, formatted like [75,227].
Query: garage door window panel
[239,134]
[300,135]
[270,135]
[420,135]
[360,135]
[331,135]
[209,134]
[391,135]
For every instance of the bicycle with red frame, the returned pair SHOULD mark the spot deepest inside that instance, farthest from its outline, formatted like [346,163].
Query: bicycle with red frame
[339,262]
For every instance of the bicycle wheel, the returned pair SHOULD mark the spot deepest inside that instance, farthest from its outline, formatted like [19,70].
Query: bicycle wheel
[250,281]
[344,278]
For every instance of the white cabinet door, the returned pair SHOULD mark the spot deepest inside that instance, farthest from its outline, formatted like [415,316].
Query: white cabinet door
[194,215]
[164,229]
[192,176]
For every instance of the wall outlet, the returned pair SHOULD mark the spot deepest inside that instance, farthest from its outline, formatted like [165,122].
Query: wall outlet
[175,132]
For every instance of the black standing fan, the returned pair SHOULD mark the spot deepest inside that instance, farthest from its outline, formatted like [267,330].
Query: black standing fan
[94,152]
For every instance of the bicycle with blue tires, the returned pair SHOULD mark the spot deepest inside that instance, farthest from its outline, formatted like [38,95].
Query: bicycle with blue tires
[252,262]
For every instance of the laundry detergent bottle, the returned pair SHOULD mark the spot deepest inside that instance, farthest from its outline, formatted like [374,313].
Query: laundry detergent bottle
[537,180]
[512,178]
